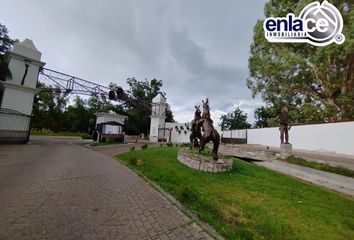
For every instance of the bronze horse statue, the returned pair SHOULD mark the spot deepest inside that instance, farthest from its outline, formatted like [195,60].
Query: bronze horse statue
[209,132]
[196,134]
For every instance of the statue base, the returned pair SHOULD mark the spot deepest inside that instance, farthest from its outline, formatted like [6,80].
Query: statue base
[203,163]
[286,150]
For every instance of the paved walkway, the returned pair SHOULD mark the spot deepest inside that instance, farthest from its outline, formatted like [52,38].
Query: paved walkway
[56,189]
[328,180]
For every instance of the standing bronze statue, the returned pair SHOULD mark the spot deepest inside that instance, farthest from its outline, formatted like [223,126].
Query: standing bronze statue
[196,133]
[209,132]
[284,127]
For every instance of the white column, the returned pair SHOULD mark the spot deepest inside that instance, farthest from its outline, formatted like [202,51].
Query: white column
[158,116]
[24,62]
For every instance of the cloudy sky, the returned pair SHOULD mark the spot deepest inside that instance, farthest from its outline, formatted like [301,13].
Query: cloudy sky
[198,48]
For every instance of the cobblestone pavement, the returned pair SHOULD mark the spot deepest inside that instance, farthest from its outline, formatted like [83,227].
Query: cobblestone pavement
[57,189]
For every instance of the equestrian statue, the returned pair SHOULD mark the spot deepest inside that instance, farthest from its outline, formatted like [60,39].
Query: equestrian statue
[209,132]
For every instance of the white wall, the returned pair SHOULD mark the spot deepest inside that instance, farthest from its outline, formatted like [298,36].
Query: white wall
[17,99]
[329,137]
[155,124]
[179,137]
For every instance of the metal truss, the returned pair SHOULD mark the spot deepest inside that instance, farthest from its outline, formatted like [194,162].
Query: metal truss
[65,83]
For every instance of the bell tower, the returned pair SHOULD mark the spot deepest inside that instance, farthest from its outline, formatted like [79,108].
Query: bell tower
[158,116]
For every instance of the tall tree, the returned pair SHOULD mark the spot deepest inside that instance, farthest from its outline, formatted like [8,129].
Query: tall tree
[234,120]
[101,104]
[48,109]
[137,101]
[169,114]
[263,115]
[6,43]
[78,116]
[310,79]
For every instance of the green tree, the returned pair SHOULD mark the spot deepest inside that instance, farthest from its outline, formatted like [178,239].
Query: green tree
[317,82]
[169,114]
[101,104]
[48,109]
[78,116]
[6,43]
[137,102]
[262,115]
[234,120]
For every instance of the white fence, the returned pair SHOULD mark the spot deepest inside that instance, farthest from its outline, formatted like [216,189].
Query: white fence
[327,137]
[240,133]
[234,136]
[14,126]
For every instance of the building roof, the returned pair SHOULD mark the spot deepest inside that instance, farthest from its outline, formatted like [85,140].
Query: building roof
[28,49]
[159,99]
[112,115]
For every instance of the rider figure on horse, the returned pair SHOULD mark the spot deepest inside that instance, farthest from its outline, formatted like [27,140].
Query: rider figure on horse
[209,132]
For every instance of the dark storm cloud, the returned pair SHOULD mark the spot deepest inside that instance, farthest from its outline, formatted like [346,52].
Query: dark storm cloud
[198,48]
[222,83]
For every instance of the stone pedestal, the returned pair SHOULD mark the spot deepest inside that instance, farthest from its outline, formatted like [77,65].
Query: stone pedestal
[286,150]
[204,164]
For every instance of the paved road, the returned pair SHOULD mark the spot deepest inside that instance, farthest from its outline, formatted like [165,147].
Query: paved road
[57,189]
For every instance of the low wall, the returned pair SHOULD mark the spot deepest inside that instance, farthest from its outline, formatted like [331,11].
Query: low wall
[327,137]
[204,164]
[246,151]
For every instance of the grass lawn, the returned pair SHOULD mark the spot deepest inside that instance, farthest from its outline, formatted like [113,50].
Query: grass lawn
[51,133]
[320,166]
[250,202]
[96,144]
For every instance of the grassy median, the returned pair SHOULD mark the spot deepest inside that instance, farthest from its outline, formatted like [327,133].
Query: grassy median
[250,202]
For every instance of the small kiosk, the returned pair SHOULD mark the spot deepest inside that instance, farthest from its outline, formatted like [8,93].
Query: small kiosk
[109,127]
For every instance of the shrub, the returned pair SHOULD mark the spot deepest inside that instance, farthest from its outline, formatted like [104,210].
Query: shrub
[169,144]
[145,146]
[132,148]
[85,136]
[133,161]
[139,163]
[188,194]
